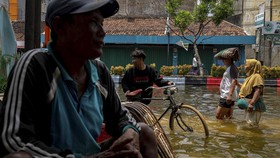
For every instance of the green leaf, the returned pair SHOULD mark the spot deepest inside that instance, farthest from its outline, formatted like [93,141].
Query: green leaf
[172,6]
[183,19]
[201,13]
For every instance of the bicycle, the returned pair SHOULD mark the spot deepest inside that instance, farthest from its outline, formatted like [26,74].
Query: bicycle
[188,118]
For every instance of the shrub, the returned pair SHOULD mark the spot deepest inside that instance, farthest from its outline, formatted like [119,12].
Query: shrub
[112,70]
[3,84]
[271,72]
[153,65]
[275,72]
[166,70]
[217,71]
[184,69]
[4,60]
[268,72]
[118,70]
[128,66]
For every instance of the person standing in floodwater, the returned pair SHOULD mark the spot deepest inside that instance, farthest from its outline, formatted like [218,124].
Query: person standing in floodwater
[228,92]
[141,76]
[251,92]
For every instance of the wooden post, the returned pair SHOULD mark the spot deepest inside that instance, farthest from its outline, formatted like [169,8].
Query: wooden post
[32,24]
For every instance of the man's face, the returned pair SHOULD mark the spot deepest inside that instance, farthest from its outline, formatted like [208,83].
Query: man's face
[85,35]
[136,61]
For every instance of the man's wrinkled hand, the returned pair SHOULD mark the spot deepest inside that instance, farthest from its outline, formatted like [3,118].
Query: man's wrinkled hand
[125,146]
[19,154]
[128,141]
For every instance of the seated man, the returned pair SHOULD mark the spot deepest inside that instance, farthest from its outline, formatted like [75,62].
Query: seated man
[57,99]
[141,76]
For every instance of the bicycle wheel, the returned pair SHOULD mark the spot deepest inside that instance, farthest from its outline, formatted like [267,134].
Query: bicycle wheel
[189,122]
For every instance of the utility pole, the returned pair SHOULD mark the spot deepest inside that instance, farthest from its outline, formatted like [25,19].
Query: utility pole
[32,24]
[37,24]
[270,41]
[167,32]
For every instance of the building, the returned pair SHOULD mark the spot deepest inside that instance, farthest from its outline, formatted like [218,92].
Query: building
[246,11]
[142,24]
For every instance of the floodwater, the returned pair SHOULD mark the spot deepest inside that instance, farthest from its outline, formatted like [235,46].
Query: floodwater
[228,138]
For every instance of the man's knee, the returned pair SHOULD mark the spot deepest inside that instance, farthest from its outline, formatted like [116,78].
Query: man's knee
[146,131]
[147,134]
[148,141]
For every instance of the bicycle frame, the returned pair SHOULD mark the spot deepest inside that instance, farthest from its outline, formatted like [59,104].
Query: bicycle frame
[176,113]
[172,102]
[172,105]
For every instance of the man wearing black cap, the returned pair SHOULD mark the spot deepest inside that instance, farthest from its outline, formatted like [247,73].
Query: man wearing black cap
[57,98]
[141,76]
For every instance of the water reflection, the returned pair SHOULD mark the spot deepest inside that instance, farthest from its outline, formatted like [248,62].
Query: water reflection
[229,138]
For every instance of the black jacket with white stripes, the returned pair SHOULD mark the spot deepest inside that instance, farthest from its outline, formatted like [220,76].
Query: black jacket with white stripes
[25,116]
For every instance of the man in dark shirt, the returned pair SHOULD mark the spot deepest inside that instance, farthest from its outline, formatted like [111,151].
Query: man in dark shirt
[141,76]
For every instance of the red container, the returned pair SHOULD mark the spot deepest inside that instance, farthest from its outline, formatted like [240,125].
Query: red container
[213,80]
[103,136]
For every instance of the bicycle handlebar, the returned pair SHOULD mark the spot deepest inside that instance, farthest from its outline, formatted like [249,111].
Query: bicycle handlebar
[163,87]
[168,90]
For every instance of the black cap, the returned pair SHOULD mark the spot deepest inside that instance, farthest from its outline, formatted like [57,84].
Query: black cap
[64,7]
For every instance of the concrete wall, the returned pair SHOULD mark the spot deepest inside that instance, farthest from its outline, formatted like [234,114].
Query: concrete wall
[250,10]
[147,8]
[245,12]
[238,11]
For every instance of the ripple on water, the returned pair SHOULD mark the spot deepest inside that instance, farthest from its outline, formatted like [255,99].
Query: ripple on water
[240,150]
[229,138]
[252,155]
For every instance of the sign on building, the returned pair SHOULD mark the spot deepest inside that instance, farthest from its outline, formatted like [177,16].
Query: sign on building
[276,44]
[259,20]
[274,38]
[271,27]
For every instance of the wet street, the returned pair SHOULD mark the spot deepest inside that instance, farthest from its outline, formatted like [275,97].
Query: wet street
[228,138]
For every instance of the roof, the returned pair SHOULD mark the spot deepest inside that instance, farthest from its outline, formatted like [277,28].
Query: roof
[156,27]
[146,27]
[19,30]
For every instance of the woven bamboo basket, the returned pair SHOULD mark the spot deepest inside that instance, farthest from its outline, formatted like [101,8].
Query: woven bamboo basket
[143,113]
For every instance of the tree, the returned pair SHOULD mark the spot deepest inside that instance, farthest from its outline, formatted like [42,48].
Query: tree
[205,11]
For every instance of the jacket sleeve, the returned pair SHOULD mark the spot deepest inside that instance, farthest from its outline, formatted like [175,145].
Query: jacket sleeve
[157,79]
[125,81]
[25,116]
[116,119]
